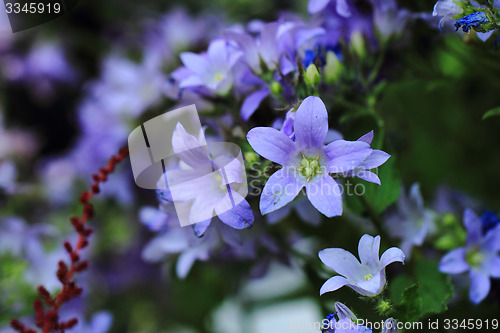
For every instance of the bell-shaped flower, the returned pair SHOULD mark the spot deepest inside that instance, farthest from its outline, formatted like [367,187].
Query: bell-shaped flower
[366,277]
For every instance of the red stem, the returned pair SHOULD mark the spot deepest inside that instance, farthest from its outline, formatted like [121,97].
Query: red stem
[48,319]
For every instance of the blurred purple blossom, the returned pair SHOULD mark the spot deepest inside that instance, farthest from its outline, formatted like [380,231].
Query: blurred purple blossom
[480,257]
[412,222]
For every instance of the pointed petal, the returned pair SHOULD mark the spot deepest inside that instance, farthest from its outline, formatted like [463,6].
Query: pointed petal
[368,250]
[271,144]
[375,159]
[495,267]
[343,262]
[189,149]
[235,212]
[326,196]
[416,197]
[252,103]
[279,190]
[480,285]
[392,255]
[196,63]
[311,123]
[474,227]
[345,156]
[247,44]
[369,176]
[333,284]
[368,138]
[454,262]
[186,261]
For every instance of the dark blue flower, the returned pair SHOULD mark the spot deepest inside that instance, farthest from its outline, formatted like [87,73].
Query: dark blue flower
[473,20]
[490,220]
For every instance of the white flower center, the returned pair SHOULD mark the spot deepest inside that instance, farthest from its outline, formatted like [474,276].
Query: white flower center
[309,167]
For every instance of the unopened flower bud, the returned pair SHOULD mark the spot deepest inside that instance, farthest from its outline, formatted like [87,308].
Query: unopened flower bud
[344,312]
[333,68]
[276,88]
[390,326]
[358,44]
[312,77]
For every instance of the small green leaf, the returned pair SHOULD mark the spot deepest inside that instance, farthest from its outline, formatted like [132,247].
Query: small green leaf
[410,308]
[491,113]
[435,287]
[381,197]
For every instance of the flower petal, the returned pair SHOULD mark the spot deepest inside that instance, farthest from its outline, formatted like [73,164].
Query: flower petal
[494,266]
[196,63]
[345,156]
[326,196]
[368,176]
[474,227]
[391,255]
[279,190]
[311,123]
[235,211]
[368,138]
[343,262]
[271,144]
[368,250]
[343,8]
[189,149]
[315,6]
[333,284]
[279,214]
[492,240]
[307,213]
[372,286]
[480,285]
[252,103]
[200,227]
[376,159]
[454,262]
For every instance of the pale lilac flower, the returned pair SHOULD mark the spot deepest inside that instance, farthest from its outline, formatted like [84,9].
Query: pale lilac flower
[209,194]
[448,9]
[480,257]
[341,6]
[412,222]
[306,162]
[8,175]
[181,241]
[211,70]
[366,277]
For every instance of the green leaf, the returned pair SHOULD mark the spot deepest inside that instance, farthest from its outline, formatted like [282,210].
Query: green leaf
[429,295]
[410,308]
[381,197]
[491,113]
[435,287]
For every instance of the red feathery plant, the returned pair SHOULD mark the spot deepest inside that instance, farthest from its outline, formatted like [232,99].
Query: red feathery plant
[48,319]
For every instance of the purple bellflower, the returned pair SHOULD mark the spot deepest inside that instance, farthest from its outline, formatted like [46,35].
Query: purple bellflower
[366,277]
[447,9]
[479,257]
[412,222]
[307,162]
[213,69]
[219,191]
